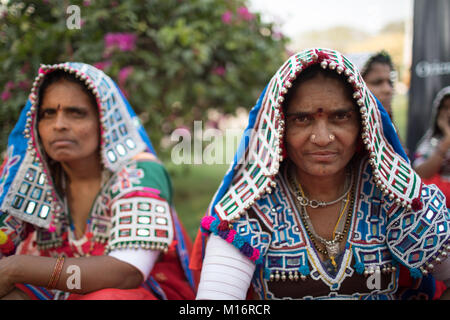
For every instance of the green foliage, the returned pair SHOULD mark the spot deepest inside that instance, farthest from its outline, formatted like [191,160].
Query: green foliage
[191,198]
[187,56]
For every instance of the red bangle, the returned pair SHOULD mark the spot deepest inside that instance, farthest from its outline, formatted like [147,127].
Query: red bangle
[56,273]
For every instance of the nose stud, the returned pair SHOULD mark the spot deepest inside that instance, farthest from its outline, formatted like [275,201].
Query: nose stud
[331,137]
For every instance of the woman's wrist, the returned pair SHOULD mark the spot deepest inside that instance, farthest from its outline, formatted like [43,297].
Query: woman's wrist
[11,268]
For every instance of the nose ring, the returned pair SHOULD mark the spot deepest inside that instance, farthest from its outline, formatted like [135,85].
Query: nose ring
[332,137]
[312,137]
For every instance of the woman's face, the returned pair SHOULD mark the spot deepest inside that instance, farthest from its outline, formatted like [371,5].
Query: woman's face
[378,79]
[445,106]
[443,116]
[322,127]
[68,123]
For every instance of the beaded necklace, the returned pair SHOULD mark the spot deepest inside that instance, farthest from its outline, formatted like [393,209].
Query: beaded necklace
[331,246]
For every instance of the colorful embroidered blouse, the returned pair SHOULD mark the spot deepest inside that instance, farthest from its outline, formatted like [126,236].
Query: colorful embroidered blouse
[368,268]
[131,210]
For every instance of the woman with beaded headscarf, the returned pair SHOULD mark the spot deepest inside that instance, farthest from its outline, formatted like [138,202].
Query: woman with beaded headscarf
[321,201]
[432,157]
[85,205]
[378,72]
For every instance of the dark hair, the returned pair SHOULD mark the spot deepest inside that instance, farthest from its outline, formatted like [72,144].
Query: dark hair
[310,73]
[59,75]
[437,131]
[381,57]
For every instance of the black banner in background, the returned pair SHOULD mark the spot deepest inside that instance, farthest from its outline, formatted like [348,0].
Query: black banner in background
[430,69]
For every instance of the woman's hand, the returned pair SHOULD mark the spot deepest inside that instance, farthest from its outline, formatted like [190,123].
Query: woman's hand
[7,283]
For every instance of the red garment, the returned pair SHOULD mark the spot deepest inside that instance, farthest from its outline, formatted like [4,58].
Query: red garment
[115,294]
[196,260]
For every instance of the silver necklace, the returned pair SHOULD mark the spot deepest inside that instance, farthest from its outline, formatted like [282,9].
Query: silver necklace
[304,201]
[332,246]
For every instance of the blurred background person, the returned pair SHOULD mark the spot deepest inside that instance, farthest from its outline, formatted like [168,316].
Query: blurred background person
[432,157]
[378,72]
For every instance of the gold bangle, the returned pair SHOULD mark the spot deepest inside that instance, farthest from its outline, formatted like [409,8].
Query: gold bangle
[56,273]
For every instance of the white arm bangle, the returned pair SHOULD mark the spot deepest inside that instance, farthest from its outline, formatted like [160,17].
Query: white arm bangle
[142,259]
[229,265]
[226,272]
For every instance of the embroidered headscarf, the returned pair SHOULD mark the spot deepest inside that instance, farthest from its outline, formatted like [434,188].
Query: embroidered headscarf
[27,190]
[246,181]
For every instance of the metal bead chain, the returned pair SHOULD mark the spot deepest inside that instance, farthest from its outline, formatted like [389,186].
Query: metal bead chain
[303,215]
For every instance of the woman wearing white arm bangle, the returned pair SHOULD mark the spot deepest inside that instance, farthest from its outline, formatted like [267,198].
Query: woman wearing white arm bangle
[82,189]
[321,198]
[226,272]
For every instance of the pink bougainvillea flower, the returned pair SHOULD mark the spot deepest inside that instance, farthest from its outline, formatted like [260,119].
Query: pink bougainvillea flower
[6,95]
[226,17]
[110,40]
[245,14]
[220,71]
[127,42]
[10,85]
[123,41]
[102,65]
[124,73]
[24,85]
